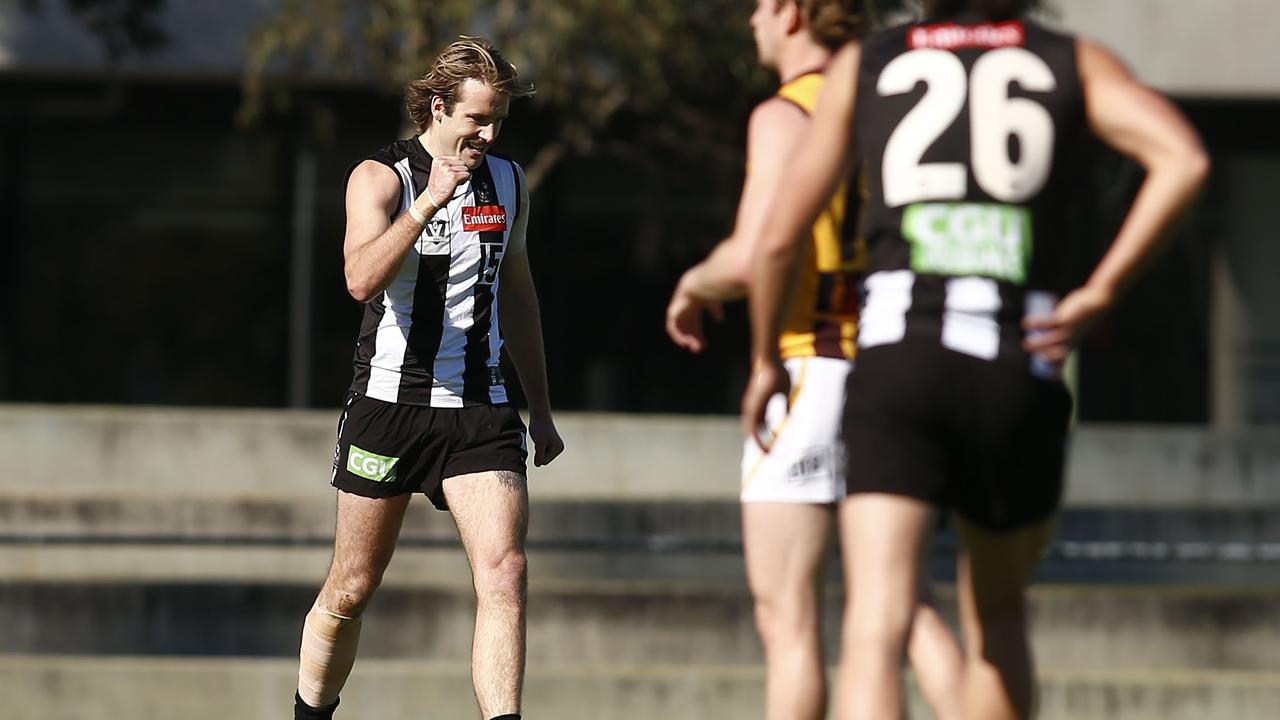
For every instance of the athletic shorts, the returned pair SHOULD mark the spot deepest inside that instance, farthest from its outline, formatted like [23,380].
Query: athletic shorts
[985,439]
[387,449]
[805,463]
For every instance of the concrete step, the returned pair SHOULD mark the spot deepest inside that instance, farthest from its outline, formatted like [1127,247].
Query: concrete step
[161,688]
[1167,545]
[609,457]
[275,518]
[616,621]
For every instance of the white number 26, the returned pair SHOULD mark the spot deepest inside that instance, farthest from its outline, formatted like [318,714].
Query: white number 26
[994,118]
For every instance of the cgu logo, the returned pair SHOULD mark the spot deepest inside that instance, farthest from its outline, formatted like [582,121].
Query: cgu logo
[370,466]
[484,218]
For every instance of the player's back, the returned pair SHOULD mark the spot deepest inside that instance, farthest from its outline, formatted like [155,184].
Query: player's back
[964,125]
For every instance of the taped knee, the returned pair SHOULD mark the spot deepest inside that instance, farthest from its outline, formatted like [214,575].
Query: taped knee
[328,651]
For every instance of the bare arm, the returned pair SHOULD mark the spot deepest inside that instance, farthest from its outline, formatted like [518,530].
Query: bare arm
[522,334]
[808,184]
[773,134]
[374,246]
[1142,124]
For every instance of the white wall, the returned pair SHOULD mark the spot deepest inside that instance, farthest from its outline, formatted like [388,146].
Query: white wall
[1190,48]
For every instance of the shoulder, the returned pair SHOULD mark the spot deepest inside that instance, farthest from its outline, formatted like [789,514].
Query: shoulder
[777,115]
[373,178]
[502,161]
[386,158]
[1095,59]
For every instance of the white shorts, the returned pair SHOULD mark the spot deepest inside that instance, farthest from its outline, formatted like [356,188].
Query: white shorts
[806,462]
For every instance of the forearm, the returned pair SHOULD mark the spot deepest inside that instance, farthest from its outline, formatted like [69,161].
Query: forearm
[772,272]
[773,267]
[522,337]
[721,276]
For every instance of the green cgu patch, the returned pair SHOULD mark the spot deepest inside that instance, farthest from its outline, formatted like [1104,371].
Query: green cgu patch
[989,240]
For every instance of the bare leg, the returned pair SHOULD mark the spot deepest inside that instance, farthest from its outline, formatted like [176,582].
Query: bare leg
[882,539]
[491,510]
[786,550]
[937,658]
[364,540]
[994,572]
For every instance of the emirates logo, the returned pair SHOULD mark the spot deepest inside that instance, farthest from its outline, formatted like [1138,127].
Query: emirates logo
[484,218]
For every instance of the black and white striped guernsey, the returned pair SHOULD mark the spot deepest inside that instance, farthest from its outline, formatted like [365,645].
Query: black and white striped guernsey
[964,125]
[432,337]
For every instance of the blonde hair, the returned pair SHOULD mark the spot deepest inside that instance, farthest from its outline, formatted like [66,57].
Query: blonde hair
[468,58]
[832,23]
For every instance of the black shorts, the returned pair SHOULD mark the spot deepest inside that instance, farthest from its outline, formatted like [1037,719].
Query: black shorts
[386,449]
[985,439]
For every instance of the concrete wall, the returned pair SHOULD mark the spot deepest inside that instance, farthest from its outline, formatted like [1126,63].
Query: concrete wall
[1208,48]
[114,450]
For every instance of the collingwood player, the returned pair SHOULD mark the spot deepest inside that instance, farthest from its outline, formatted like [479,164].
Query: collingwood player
[963,122]
[435,246]
[790,491]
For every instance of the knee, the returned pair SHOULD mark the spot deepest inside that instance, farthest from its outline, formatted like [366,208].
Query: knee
[782,621]
[501,578]
[348,592]
[885,628]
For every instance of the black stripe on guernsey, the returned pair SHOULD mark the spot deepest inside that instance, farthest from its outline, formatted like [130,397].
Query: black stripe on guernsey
[475,375]
[424,335]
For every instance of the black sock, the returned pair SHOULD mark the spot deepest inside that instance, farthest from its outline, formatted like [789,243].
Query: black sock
[303,711]
[512,716]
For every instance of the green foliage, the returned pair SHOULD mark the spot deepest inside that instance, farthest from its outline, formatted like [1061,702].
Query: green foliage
[685,68]
[688,64]
[590,59]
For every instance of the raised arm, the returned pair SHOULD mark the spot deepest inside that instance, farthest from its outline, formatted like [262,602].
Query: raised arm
[375,246]
[823,160]
[773,134]
[1142,124]
[521,326]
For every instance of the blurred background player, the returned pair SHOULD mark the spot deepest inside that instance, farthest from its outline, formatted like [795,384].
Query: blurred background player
[789,492]
[435,244]
[963,122]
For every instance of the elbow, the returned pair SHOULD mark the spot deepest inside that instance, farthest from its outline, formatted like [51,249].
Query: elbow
[359,289]
[1198,167]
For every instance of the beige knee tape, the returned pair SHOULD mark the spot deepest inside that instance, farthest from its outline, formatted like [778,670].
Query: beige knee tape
[328,652]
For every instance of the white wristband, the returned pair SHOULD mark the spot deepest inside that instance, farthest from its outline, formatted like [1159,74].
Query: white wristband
[418,215]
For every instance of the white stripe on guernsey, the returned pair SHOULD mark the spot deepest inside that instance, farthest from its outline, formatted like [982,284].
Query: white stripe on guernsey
[406,185]
[1041,302]
[504,181]
[969,323]
[392,337]
[884,316]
